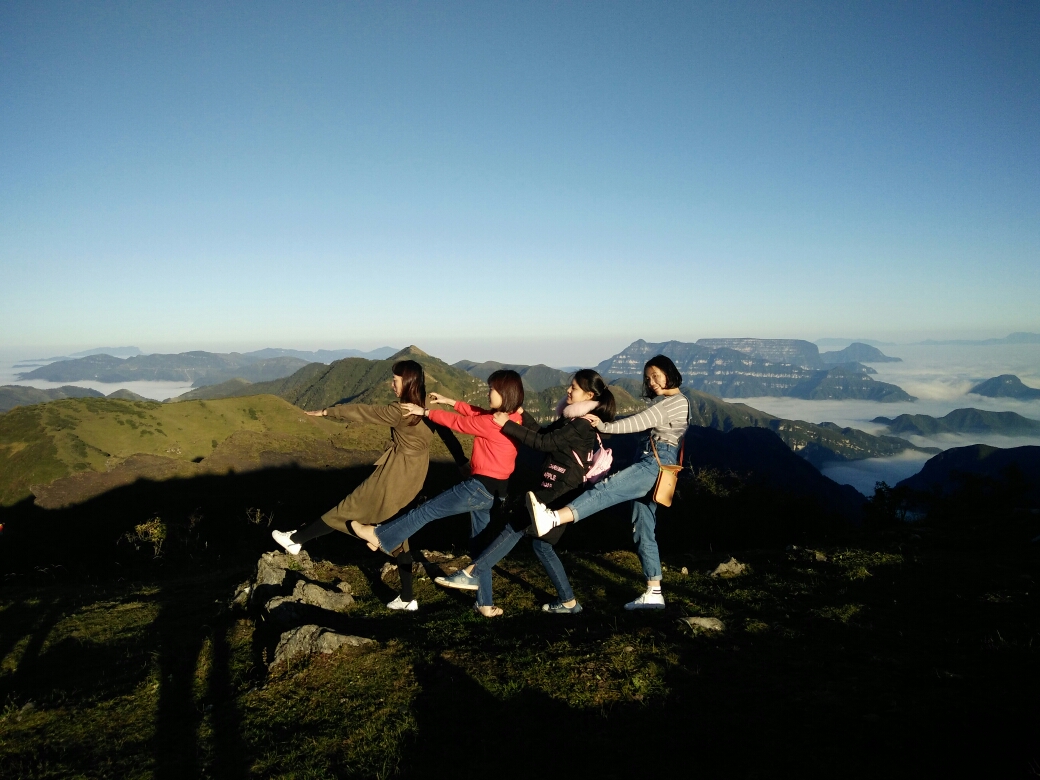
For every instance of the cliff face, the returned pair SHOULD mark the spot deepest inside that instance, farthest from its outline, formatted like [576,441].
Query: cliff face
[793,352]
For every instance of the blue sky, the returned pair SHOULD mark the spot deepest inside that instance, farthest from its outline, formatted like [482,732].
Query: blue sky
[529,182]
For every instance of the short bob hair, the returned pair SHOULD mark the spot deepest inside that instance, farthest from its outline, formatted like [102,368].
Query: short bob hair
[508,385]
[672,377]
[413,386]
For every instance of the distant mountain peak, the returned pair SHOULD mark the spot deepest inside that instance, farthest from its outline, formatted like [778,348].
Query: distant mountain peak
[409,352]
[1006,386]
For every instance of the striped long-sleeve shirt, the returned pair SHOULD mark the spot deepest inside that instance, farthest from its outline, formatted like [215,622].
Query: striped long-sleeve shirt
[668,417]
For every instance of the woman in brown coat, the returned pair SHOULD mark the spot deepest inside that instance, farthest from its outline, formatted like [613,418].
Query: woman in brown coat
[398,476]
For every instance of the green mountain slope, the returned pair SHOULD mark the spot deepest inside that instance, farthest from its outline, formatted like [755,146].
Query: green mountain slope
[357,380]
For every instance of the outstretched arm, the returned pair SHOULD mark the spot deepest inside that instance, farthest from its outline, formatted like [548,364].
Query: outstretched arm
[391,414]
[566,438]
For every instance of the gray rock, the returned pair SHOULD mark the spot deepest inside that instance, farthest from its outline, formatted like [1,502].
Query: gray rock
[704,624]
[276,573]
[310,639]
[318,596]
[729,569]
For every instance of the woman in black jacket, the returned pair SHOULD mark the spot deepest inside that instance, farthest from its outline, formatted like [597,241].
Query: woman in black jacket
[569,443]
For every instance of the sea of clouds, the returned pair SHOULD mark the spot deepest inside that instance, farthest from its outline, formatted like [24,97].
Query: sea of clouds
[940,378]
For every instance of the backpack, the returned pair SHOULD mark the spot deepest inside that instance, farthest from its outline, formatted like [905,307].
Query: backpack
[600,461]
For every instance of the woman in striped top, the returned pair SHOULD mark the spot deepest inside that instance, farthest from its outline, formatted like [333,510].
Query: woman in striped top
[667,419]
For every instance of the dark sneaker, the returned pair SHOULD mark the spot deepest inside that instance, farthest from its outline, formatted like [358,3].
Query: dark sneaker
[557,608]
[459,580]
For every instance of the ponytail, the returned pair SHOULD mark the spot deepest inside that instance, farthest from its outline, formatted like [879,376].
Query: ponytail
[591,382]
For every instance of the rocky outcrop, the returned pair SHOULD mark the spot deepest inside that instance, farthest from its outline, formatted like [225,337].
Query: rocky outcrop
[285,590]
[305,641]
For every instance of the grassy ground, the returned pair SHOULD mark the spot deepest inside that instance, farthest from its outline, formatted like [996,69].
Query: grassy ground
[892,655]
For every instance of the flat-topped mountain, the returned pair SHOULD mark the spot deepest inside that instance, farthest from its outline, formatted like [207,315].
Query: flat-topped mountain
[858,353]
[1006,386]
[728,373]
[199,368]
[795,352]
[962,421]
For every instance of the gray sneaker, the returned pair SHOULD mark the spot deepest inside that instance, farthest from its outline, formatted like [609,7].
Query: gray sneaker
[557,608]
[459,580]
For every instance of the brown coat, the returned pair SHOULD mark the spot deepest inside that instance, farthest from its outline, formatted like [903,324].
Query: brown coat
[400,470]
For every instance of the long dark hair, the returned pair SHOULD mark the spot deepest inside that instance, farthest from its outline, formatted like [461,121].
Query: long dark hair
[510,386]
[591,382]
[672,377]
[413,388]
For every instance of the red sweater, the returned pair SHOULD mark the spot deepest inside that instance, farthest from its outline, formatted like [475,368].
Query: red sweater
[494,453]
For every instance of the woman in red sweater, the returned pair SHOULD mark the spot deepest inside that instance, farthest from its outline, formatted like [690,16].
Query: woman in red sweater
[494,455]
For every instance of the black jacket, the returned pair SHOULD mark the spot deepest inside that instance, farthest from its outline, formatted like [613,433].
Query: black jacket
[561,441]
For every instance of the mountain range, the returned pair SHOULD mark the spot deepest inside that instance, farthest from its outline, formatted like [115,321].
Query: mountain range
[199,368]
[746,368]
[355,380]
[962,421]
[1020,337]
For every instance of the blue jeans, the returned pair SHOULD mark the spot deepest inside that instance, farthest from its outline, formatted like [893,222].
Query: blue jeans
[500,548]
[469,496]
[632,484]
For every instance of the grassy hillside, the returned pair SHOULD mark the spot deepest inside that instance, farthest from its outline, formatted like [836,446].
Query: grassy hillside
[117,440]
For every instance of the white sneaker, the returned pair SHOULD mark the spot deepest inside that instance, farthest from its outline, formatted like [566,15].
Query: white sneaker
[284,538]
[544,519]
[649,600]
[408,606]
